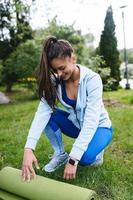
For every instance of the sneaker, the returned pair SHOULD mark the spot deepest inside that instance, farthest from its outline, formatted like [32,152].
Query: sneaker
[56,162]
[99,160]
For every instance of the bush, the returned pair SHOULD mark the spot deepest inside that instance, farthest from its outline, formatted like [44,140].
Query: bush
[22,63]
[31,84]
[95,64]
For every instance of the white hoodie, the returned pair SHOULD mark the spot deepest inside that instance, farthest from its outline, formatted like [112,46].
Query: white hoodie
[88,115]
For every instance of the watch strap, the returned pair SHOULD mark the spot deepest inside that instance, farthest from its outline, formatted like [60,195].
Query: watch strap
[72,161]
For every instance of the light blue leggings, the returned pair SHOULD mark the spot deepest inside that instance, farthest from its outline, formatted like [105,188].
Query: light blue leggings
[59,123]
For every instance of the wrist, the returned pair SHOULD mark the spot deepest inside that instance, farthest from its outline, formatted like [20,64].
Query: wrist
[73,161]
[28,150]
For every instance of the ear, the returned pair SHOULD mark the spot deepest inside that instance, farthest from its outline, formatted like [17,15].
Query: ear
[74,58]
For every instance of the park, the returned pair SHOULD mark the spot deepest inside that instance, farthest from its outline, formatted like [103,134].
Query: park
[19,59]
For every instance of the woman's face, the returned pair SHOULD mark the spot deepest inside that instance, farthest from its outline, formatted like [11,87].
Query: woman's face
[63,67]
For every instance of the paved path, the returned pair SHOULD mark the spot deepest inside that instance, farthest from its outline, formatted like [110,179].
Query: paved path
[123,83]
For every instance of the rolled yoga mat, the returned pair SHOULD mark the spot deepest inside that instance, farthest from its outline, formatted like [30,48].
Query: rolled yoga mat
[8,196]
[41,188]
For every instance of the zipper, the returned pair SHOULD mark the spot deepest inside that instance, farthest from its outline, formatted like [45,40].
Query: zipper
[77,117]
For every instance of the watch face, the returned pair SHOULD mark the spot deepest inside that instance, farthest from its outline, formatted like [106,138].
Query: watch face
[72,162]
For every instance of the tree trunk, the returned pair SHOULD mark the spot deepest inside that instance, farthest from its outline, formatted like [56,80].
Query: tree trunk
[9,87]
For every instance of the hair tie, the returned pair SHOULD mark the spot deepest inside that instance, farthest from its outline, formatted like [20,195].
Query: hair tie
[54,40]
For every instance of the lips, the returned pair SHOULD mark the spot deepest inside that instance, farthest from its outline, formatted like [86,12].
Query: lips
[63,77]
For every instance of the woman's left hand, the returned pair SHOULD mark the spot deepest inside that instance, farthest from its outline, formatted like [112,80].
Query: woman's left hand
[70,171]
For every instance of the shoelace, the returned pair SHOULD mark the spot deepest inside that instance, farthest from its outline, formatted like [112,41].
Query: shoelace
[54,161]
[50,156]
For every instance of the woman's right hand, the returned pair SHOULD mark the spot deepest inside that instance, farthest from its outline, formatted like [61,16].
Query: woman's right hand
[27,167]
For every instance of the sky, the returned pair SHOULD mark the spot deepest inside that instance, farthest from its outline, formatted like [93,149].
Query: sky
[87,15]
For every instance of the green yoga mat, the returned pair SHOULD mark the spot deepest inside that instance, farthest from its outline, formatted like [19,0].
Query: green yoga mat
[8,196]
[41,188]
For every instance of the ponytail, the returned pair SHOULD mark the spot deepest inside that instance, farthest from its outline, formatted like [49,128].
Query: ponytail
[52,48]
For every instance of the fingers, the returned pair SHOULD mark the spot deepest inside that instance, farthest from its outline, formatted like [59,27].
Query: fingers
[69,176]
[33,174]
[25,173]
[70,172]
[29,159]
[28,173]
[36,164]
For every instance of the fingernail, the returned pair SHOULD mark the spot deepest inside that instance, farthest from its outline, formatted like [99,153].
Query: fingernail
[23,179]
[38,167]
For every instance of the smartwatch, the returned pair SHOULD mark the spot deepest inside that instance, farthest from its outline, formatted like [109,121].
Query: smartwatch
[72,162]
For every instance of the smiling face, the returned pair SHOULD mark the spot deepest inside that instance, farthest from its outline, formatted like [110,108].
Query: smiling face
[64,67]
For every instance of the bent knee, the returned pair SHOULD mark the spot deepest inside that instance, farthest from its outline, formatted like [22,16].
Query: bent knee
[87,160]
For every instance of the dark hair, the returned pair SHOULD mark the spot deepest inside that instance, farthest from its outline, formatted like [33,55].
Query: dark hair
[52,48]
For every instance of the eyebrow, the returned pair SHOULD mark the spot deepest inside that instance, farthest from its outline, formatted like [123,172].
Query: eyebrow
[55,70]
[59,67]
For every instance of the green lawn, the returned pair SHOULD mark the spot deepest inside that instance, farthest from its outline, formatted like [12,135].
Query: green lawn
[112,181]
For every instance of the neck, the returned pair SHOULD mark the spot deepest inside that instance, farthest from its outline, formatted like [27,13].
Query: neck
[75,75]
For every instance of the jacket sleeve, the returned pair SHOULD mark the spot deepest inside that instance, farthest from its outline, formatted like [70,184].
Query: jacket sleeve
[91,117]
[39,122]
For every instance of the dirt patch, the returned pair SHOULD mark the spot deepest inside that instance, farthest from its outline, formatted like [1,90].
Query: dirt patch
[113,103]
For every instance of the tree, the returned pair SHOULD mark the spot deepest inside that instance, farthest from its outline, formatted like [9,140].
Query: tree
[14,30]
[108,47]
[64,32]
[6,29]
[22,62]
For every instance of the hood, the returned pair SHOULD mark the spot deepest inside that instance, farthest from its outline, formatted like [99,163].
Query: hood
[84,71]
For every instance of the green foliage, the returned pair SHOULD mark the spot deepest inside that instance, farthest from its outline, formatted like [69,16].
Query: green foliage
[22,63]
[1,67]
[30,83]
[5,25]
[108,47]
[14,30]
[14,26]
[65,32]
[95,64]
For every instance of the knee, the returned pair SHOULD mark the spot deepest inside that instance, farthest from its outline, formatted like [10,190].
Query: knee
[51,126]
[87,159]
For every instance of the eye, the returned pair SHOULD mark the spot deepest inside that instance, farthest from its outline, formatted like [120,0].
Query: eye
[62,68]
[54,70]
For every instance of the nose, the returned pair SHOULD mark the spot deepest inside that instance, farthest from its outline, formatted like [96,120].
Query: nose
[59,73]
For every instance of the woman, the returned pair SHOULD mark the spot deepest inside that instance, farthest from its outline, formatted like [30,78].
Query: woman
[82,116]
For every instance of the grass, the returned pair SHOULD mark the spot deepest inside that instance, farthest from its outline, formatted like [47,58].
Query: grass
[112,181]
